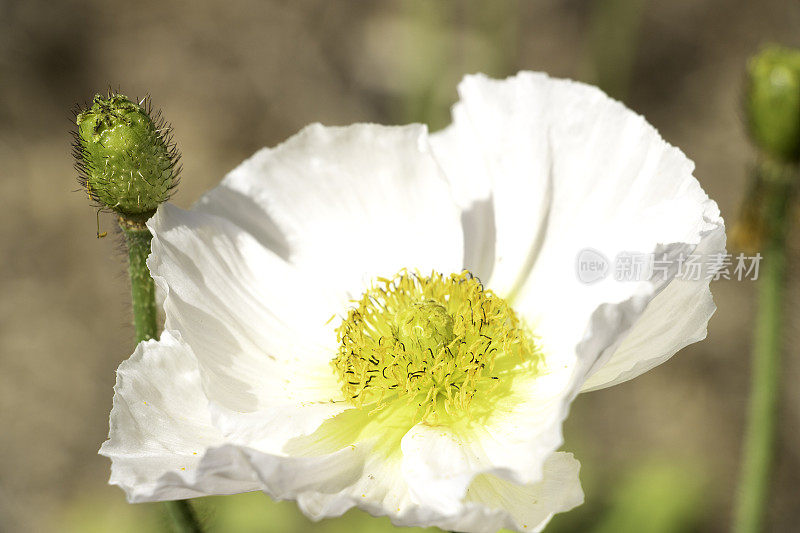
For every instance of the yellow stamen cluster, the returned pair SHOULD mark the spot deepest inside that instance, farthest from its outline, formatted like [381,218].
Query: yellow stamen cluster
[434,341]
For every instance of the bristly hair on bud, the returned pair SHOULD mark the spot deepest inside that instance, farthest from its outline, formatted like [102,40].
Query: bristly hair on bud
[125,155]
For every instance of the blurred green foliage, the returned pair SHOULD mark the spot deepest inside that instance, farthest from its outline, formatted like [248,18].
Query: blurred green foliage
[657,497]
[252,512]
[614,33]
[434,52]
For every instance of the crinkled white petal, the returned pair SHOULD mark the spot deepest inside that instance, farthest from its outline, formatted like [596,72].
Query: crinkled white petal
[161,427]
[421,474]
[350,203]
[256,325]
[497,154]
[511,441]
[490,504]
[676,317]
[164,446]
[380,490]
[459,152]
[597,176]
[528,507]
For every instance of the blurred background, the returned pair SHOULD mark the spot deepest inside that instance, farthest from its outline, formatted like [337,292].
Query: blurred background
[659,454]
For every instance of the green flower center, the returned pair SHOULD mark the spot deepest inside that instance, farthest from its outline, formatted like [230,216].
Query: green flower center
[426,326]
[433,342]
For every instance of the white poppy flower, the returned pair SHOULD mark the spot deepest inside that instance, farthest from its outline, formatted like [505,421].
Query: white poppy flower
[430,396]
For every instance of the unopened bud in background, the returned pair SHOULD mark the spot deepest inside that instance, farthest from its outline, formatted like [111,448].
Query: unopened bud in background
[773,102]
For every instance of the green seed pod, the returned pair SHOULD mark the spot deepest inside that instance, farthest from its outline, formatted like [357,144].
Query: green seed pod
[125,156]
[773,102]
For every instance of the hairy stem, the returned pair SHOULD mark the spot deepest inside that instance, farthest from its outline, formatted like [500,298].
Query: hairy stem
[143,297]
[760,436]
[143,292]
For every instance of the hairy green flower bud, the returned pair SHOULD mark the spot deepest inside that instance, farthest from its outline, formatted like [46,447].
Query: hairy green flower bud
[125,156]
[773,102]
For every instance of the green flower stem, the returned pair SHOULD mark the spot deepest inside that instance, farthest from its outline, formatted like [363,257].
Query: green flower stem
[143,296]
[184,520]
[143,291]
[760,436]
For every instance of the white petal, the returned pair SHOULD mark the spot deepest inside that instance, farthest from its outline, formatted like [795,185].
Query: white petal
[490,504]
[352,203]
[163,445]
[499,138]
[381,491]
[381,488]
[529,507]
[511,440]
[427,484]
[675,318]
[597,176]
[167,448]
[257,327]
[161,427]
[438,466]
[271,428]
[460,154]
